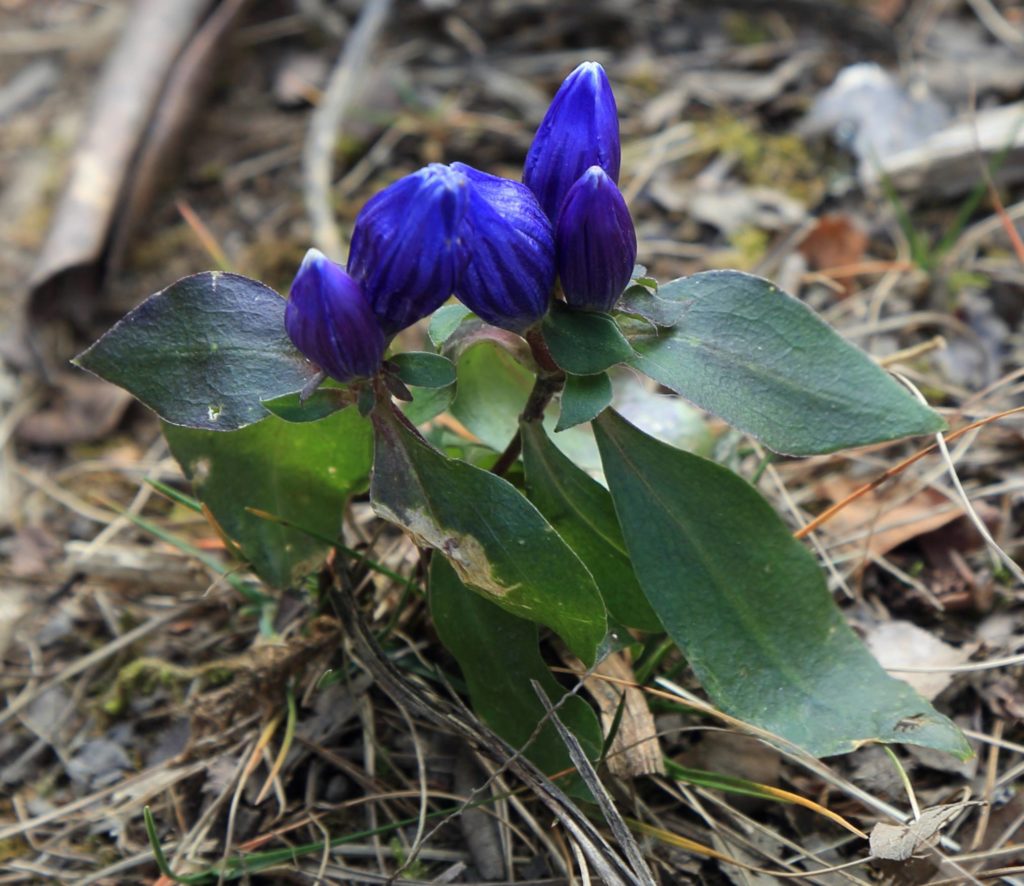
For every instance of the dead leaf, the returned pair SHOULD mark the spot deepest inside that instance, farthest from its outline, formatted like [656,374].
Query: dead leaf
[187,87]
[898,842]
[899,644]
[634,749]
[83,409]
[890,525]
[836,241]
[35,549]
[129,89]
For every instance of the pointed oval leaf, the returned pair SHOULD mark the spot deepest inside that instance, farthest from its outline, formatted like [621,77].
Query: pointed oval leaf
[498,655]
[204,352]
[300,473]
[583,398]
[746,351]
[582,512]
[583,342]
[748,605]
[428,403]
[321,403]
[445,321]
[421,369]
[498,542]
[491,391]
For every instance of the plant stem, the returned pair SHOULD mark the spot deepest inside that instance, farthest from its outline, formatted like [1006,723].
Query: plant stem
[550,380]
[386,402]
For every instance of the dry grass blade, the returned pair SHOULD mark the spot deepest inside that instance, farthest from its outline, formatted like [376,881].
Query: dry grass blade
[777,793]
[444,714]
[204,235]
[975,518]
[326,123]
[604,801]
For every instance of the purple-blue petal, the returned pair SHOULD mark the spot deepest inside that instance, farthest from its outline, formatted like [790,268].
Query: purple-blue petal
[404,252]
[331,322]
[595,242]
[509,251]
[579,130]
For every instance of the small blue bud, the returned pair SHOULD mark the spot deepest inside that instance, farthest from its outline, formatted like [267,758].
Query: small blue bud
[509,250]
[330,320]
[595,242]
[580,130]
[404,245]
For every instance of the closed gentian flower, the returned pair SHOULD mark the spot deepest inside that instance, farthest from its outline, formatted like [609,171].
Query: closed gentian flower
[404,245]
[580,130]
[595,242]
[509,251]
[330,320]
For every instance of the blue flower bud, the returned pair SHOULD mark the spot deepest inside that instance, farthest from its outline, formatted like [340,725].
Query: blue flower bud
[330,320]
[580,130]
[404,245]
[509,251]
[595,242]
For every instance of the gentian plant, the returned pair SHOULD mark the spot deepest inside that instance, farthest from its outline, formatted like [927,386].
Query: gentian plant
[279,410]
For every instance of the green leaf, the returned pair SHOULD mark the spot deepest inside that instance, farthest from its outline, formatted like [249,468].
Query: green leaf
[204,352]
[583,342]
[498,542]
[748,352]
[303,473]
[445,321]
[748,606]
[321,403]
[498,655]
[493,388]
[428,403]
[421,369]
[582,512]
[664,306]
[583,398]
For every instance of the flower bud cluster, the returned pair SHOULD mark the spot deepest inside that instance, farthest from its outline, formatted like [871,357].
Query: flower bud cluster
[496,244]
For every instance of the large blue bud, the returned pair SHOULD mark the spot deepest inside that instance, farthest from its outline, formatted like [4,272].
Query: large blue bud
[330,320]
[509,250]
[580,130]
[595,242]
[404,248]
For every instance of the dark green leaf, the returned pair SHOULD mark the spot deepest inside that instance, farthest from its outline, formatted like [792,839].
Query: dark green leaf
[748,605]
[748,352]
[445,321]
[583,342]
[422,369]
[302,473]
[498,542]
[498,655]
[582,513]
[321,403]
[583,398]
[203,353]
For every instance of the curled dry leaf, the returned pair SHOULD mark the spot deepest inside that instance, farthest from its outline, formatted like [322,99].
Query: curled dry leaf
[128,91]
[634,749]
[903,841]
